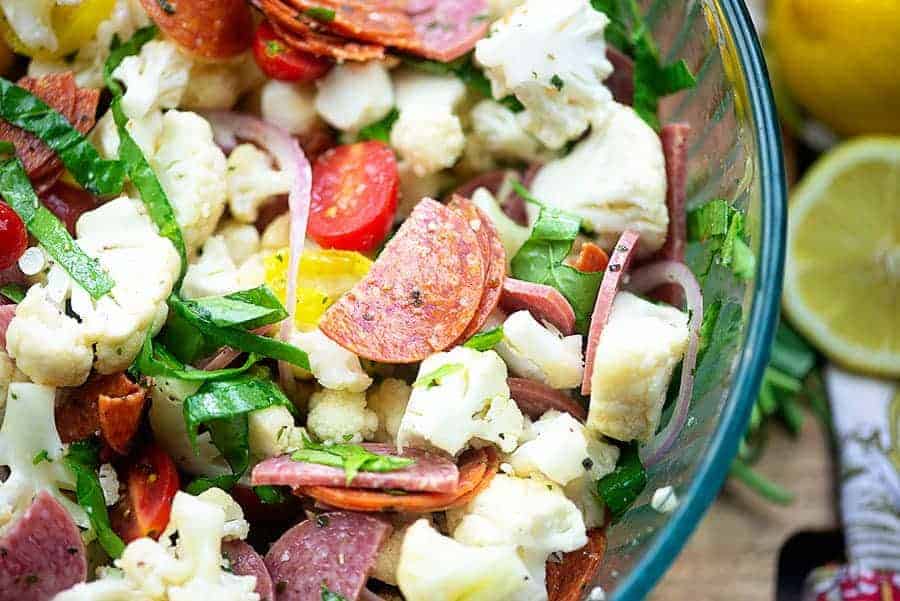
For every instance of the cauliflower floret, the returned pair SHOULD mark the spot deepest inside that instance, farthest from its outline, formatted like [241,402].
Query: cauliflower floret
[213,274]
[434,567]
[552,56]
[501,8]
[427,134]
[638,349]
[512,235]
[154,79]
[235,527]
[498,130]
[534,351]
[531,516]
[290,106]
[332,365]
[253,182]
[470,401]
[219,85]
[29,430]
[414,187]
[389,400]
[52,348]
[634,199]
[242,240]
[277,234]
[190,569]
[354,95]
[340,416]
[273,432]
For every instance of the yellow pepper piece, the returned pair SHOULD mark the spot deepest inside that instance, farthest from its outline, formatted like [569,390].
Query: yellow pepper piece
[324,276]
[74,25]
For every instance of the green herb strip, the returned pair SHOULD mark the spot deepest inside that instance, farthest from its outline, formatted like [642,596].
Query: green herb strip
[156,361]
[49,231]
[81,460]
[381,129]
[13,292]
[719,230]
[465,69]
[485,341]
[351,458]
[327,595]
[433,378]
[248,309]
[320,13]
[120,50]
[621,488]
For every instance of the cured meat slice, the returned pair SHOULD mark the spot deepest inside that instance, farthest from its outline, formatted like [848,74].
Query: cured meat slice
[41,554]
[476,469]
[305,34]
[513,204]
[210,29]
[494,257]
[431,472]
[621,81]
[245,561]
[83,116]
[336,550]
[420,294]
[68,203]
[569,579]
[536,398]
[7,312]
[674,142]
[449,28]
[366,20]
[109,404]
[543,302]
[609,287]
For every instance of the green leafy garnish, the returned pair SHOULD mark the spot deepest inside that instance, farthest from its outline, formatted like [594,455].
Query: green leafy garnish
[381,129]
[120,50]
[13,292]
[433,378]
[320,13]
[49,231]
[557,82]
[82,460]
[41,457]
[26,111]
[465,69]
[719,336]
[270,495]
[248,309]
[717,234]
[621,488]
[542,260]
[352,458]
[327,595]
[156,361]
[485,341]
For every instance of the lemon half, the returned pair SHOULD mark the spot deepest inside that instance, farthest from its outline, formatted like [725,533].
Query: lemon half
[842,279]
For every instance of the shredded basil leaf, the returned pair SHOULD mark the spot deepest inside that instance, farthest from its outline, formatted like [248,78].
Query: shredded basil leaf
[16,189]
[155,360]
[320,13]
[621,488]
[719,336]
[248,309]
[41,457]
[82,460]
[352,458]
[13,292]
[717,234]
[120,50]
[432,379]
[381,129]
[271,495]
[327,595]
[465,69]
[485,341]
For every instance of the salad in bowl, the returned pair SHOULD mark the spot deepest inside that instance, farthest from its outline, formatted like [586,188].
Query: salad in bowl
[302,300]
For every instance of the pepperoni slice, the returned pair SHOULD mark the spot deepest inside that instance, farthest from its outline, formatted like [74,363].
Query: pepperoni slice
[536,398]
[609,287]
[366,20]
[68,203]
[336,550]
[494,257]
[476,469]
[569,579]
[449,28]
[211,29]
[109,404]
[420,295]
[42,553]
[305,34]
[245,561]
[543,302]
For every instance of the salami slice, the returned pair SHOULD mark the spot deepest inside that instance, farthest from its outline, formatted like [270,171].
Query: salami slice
[449,28]
[41,554]
[621,81]
[336,550]
[210,29]
[674,143]
[494,257]
[569,579]
[609,287]
[476,469]
[536,398]
[7,312]
[431,472]
[420,294]
[245,561]
[543,302]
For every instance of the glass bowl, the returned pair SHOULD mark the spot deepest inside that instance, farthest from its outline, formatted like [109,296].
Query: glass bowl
[735,154]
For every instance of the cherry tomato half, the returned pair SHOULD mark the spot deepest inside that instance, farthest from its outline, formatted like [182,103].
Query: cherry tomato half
[279,61]
[152,481]
[13,237]
[354,196]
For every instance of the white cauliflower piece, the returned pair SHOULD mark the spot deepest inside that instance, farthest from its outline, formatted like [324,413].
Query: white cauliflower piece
[389,400]
[290,106]
[427,134]
[277,234]
[534,351]
[219,85]
[54,349]
[634,199]
[109,483]
[469,402]
[552,56]
[190,569]
[273,432]
[434,567]
[7,377]
[499,131]
[332,365]
[512,235]
[154,79]
[242,240]
[500,8]
[354,95]
[340,416]
[235,527]
[213,273]
[253,182]
[637,352]
[31,21]
[28,431]
[415,187]
[534,518]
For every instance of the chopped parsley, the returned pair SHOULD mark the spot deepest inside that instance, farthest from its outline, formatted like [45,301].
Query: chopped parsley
[485,341]
[320,13]
[379,130]
[620,488]
[557,82]
[327,595]
[41,457]
[352,458]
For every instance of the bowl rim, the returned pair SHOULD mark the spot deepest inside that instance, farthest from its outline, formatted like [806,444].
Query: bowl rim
[754,356]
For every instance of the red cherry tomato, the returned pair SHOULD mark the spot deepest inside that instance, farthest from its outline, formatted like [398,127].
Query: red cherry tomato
[354,196]
[13,237]
[152,481]
[279,61]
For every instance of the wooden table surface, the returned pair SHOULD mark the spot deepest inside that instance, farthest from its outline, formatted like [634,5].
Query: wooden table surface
[733,554]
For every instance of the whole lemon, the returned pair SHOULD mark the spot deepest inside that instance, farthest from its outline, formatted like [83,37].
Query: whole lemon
[840,59]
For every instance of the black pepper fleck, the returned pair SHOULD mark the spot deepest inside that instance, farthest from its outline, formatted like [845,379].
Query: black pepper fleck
[614,267]
[322,521]
[588,463]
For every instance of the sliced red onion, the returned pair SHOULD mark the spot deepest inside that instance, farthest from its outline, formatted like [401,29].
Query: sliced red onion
[642,281]
[288,155]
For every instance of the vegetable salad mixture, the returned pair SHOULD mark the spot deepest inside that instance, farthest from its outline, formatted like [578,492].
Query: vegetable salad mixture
[315,300]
